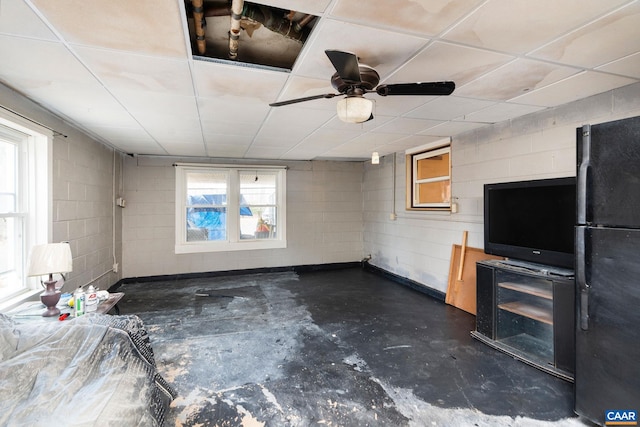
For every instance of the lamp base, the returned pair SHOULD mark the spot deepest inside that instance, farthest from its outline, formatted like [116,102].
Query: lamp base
[50,298]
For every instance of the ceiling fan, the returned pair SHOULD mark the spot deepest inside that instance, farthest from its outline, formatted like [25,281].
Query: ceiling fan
[354,80]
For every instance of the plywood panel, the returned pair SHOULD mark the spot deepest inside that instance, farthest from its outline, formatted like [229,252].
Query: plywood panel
[462,293]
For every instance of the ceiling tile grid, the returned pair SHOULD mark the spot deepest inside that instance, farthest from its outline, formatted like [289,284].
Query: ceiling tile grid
[125,73]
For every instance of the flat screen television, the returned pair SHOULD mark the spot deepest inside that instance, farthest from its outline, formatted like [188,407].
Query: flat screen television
[531,220]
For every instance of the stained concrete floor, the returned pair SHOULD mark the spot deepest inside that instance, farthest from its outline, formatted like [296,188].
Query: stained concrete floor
[340,347]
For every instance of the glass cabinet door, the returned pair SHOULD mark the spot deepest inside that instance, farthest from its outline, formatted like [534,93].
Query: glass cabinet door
[524,314]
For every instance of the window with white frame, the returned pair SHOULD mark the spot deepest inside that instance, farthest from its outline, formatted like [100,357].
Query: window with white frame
[24,201]
[429,177]
[225,208]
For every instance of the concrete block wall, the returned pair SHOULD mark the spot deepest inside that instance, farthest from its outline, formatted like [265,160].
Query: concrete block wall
[540,145]
[82,182]
[83,208]
[324,219]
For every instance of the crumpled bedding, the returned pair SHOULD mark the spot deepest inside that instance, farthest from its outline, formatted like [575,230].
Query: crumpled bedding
[96,370]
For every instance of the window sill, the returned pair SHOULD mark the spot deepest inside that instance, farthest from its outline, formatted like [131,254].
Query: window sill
[199,247]
[9,303]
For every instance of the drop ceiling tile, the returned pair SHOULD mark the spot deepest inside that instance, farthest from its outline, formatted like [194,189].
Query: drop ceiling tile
[223,141]
[502,111]
[49,74]
[325,138]
[446,61]
[514,79]
[628,66]
[282,118]
[264,152]
[237,127]
[142,73]
[575,87]
[121,133]
[185,149]
[380,49]
[271,141]
[84,104]
[36,63]
[396,105]
[453,128]
[418,16]
[518,26]
[318,143]
[19,19]
[276,136]
[406,126]
[158,103]
[607,39]
[232,110]
[229,83]
[336,123]
[153,27]
[158,125]
[179,136]
[374,139]
[301,87]
[226,150]
[226,147]
[448,108]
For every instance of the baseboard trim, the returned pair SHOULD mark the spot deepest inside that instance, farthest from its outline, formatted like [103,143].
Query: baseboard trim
[296,269]
[405,281]
[438,295]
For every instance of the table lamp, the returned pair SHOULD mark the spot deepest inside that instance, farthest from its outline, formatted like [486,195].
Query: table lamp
[49,259]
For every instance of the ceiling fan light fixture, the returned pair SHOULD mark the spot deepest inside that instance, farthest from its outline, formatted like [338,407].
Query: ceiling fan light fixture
[354,109]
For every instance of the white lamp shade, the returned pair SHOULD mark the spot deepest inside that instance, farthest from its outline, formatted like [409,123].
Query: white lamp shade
[354,109]
[50,258]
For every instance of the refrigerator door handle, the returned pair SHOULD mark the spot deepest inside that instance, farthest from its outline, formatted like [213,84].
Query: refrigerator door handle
[584,309]
[583,174]
[581,279]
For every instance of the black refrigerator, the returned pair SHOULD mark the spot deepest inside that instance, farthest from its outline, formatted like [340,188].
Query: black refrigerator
[607,376]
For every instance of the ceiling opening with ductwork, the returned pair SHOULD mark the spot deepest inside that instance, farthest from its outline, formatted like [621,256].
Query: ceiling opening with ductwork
[249,33]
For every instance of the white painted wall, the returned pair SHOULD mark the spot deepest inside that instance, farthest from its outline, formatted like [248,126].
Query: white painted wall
[417,245]
[324,220]
[82,212]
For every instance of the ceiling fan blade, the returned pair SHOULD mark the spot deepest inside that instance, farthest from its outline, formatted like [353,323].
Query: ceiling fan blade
[307,98]
[346,64]
[431,88]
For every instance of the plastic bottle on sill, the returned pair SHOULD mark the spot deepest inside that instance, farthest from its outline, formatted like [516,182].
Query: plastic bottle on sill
[91,304]
[78,302]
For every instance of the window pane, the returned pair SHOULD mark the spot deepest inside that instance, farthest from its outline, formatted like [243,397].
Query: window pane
[10,255]
[262,224]
[433,167]
[434,192]
[8,161]
[257,205]
[206,205]
[257,188]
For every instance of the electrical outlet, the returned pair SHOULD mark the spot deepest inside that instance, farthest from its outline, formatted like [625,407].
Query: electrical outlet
[121,202]
[115,267]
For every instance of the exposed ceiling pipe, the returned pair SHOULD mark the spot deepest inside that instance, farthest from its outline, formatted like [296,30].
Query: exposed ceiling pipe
[199,23]
[234,32]
[304,21]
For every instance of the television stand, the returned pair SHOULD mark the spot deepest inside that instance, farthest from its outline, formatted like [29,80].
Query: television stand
[539,268]
[527,313]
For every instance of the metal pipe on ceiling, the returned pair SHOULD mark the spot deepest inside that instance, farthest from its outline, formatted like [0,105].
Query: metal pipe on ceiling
[234,32]
[199,23]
